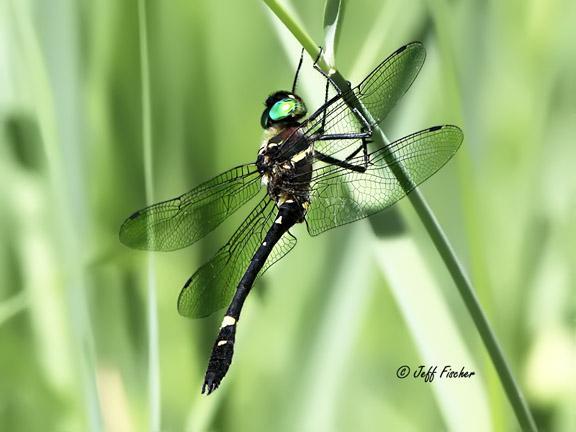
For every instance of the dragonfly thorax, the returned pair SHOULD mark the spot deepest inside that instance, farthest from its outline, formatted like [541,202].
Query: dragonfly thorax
[285,164]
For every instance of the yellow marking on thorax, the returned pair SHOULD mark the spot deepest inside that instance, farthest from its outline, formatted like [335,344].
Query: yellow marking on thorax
[269,133]
[301,155]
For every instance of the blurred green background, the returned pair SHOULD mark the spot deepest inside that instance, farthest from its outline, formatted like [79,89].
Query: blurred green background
[89,333]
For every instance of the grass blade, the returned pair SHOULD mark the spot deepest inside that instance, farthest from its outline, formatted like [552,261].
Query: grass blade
[332,17]
[12,306]
[153,348]
[68,346]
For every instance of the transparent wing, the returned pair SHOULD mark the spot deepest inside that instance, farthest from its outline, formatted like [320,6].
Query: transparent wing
[284,245]
[181,221]
[212,286]
[339,196]
[378,92]
[386,84]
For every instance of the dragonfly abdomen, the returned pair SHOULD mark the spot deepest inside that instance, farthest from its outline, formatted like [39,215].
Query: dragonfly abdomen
[289,213]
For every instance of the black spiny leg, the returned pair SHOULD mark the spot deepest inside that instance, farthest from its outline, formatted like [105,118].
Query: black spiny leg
[326,75]
[323,127]
[298,70]
[341,163]
[365,133]
[223,350]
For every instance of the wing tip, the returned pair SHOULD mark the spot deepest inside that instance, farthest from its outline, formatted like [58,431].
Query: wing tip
[185,307]
[455,130]
[189,311]
[134,215]
[182,303]
[399,50]
[411,45]
[127,237]
[123,233]
[414,44]
[451,127]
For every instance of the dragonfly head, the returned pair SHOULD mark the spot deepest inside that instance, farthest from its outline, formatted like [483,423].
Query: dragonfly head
[282,108]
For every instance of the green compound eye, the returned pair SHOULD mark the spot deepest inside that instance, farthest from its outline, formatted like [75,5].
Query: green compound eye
[283,108]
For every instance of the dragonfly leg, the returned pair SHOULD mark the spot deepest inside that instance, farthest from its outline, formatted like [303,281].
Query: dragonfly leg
[357,114]
[342,136]
[366,132]
[289,213]
[298,71]
[327,75]
[328,81]
[364,148]
[323,127]
[364,136]
[341,163]
[366,128]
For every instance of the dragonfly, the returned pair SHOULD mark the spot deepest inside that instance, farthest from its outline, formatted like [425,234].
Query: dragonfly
[318,170]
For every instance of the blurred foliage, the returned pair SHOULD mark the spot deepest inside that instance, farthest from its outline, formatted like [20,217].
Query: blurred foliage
[326,329]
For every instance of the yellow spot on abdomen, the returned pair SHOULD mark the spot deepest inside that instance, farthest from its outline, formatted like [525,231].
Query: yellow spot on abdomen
[228,321]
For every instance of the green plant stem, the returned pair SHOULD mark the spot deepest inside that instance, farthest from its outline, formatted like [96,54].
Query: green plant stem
[301,36]
[434,231]
[12,306]
[153,356]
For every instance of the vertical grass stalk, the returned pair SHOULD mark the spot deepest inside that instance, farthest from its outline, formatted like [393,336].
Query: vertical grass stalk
[11,307]
[59,312]
[435,232]
[153,352]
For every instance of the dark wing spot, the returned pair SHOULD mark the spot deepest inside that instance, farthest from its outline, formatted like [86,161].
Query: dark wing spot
[402,48]
[435,128]
[135,215]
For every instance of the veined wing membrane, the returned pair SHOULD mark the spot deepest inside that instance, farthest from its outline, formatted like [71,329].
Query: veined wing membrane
[212,286]
[339,196]
[386,84]
[378,92]
[284,245]
[179,222]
